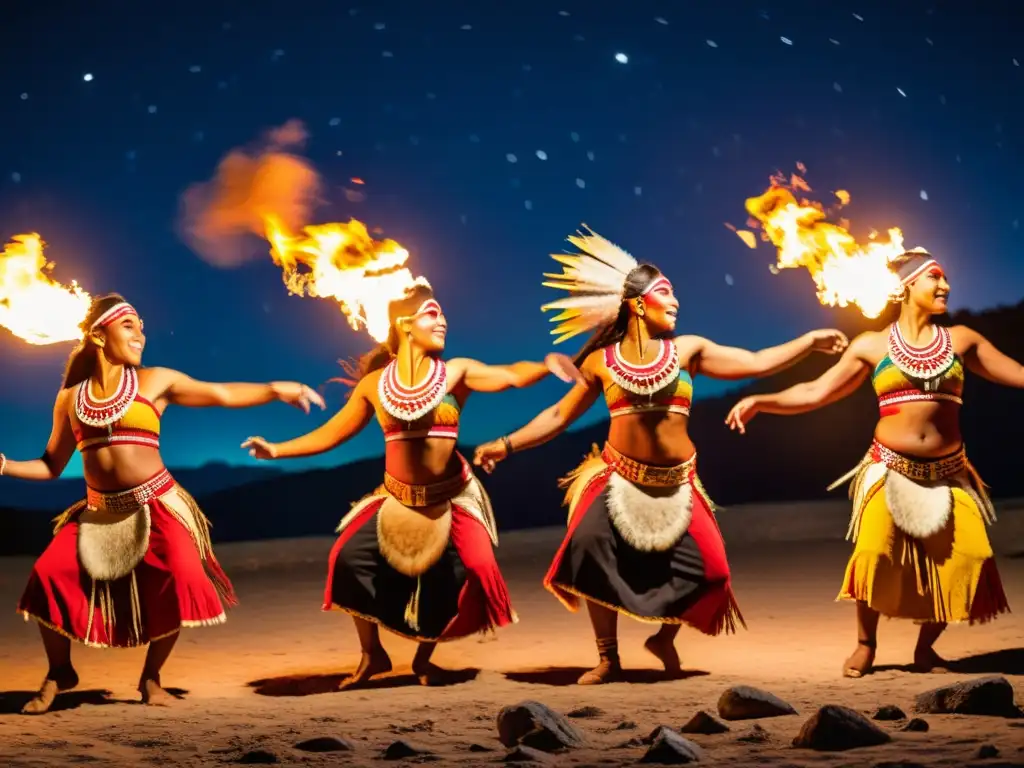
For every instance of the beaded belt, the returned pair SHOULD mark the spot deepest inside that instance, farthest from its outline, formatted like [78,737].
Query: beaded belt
[428,495]
[133,498]
[914,396]
[920,469]
[648,474]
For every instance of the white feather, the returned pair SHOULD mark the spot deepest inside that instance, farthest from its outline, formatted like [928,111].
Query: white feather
[596,277]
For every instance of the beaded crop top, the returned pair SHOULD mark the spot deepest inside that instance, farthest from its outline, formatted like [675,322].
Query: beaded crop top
[424,410]
[919,374]
[659,385]
[125,418]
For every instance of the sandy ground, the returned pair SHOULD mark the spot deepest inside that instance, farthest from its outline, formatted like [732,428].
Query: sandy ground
[266,679]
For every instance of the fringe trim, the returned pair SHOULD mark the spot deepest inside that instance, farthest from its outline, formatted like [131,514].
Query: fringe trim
[488,630]
[198,525]
[92,644]
[726,624]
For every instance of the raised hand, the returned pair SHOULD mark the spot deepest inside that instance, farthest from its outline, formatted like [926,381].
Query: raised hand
[260,448]
[489,454]
[830,341]
[741,413]
[564,368]
[299,395]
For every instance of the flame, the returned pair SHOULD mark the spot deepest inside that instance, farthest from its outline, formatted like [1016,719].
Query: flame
[270,191]
[34,306]
[343,262]
[845,272]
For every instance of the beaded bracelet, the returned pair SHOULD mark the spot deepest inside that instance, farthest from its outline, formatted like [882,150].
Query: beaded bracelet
[505,440]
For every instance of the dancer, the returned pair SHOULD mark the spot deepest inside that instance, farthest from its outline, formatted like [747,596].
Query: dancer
[415,556]
[133,562]
[921,550]
[642,538]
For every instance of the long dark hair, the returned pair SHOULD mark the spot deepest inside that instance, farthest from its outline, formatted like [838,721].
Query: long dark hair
[382,354]
[82,362]
[638,280]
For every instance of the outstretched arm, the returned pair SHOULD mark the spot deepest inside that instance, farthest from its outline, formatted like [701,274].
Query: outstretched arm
[719,362]
[178,389]
[837,382]
[344,425]
[548,424]
[984,359]
[480,377]
[59,449]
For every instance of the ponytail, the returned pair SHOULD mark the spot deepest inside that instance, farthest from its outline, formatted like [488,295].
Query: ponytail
[80,366]
[374,360]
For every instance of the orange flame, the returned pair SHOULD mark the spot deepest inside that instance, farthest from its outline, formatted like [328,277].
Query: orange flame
[270,194]
[34,306]
[844,271]
[343,262]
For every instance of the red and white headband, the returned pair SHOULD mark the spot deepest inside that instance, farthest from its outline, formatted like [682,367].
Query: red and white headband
[918,263]
[661,282]
[112,315]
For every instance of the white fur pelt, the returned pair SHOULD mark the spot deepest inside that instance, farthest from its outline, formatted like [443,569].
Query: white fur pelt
[111,545]
[413,539]
[649,519]
[919,508]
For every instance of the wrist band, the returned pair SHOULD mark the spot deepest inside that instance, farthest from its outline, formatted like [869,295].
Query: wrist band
[508,445]
[3,463]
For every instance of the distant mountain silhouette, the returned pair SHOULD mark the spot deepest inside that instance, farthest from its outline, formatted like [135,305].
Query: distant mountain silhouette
[779,459]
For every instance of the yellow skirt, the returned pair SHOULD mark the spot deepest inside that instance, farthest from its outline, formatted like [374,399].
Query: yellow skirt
[949,576]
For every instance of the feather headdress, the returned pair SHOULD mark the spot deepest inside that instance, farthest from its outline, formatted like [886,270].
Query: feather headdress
[594,278]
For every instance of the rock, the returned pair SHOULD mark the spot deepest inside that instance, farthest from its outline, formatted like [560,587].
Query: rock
[669,748]
[523,754]
[743,702]
[258,757]
[626,725]
[916,725]
[981,696]
[636,741]
[479,748]
[535,725]
[833,728]
[585,712]
[899,764]
[986,751]
[325,744]
[704,723]
[402,750]
[756,735]
[890,712]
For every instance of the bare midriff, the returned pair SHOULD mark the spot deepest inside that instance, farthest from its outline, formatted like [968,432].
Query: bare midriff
[422,461]
[120,467]
[921,429]
[657,437]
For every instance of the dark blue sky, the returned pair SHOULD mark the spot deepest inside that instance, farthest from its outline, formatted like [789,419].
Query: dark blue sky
[428,102]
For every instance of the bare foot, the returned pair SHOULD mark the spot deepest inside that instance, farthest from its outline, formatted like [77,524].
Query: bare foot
[860,662]
[55,682]
[608,671]
[927,660]
[153,694]
[428,673]
[376,662]
[665,652]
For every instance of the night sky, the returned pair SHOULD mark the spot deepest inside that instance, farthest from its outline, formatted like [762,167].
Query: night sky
[485,133]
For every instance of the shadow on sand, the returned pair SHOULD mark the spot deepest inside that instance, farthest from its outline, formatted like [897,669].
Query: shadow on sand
[310,685]
[561,676]
[1008,661]
[11,702]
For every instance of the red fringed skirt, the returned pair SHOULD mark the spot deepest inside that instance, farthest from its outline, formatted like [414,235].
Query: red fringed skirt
[177,583]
